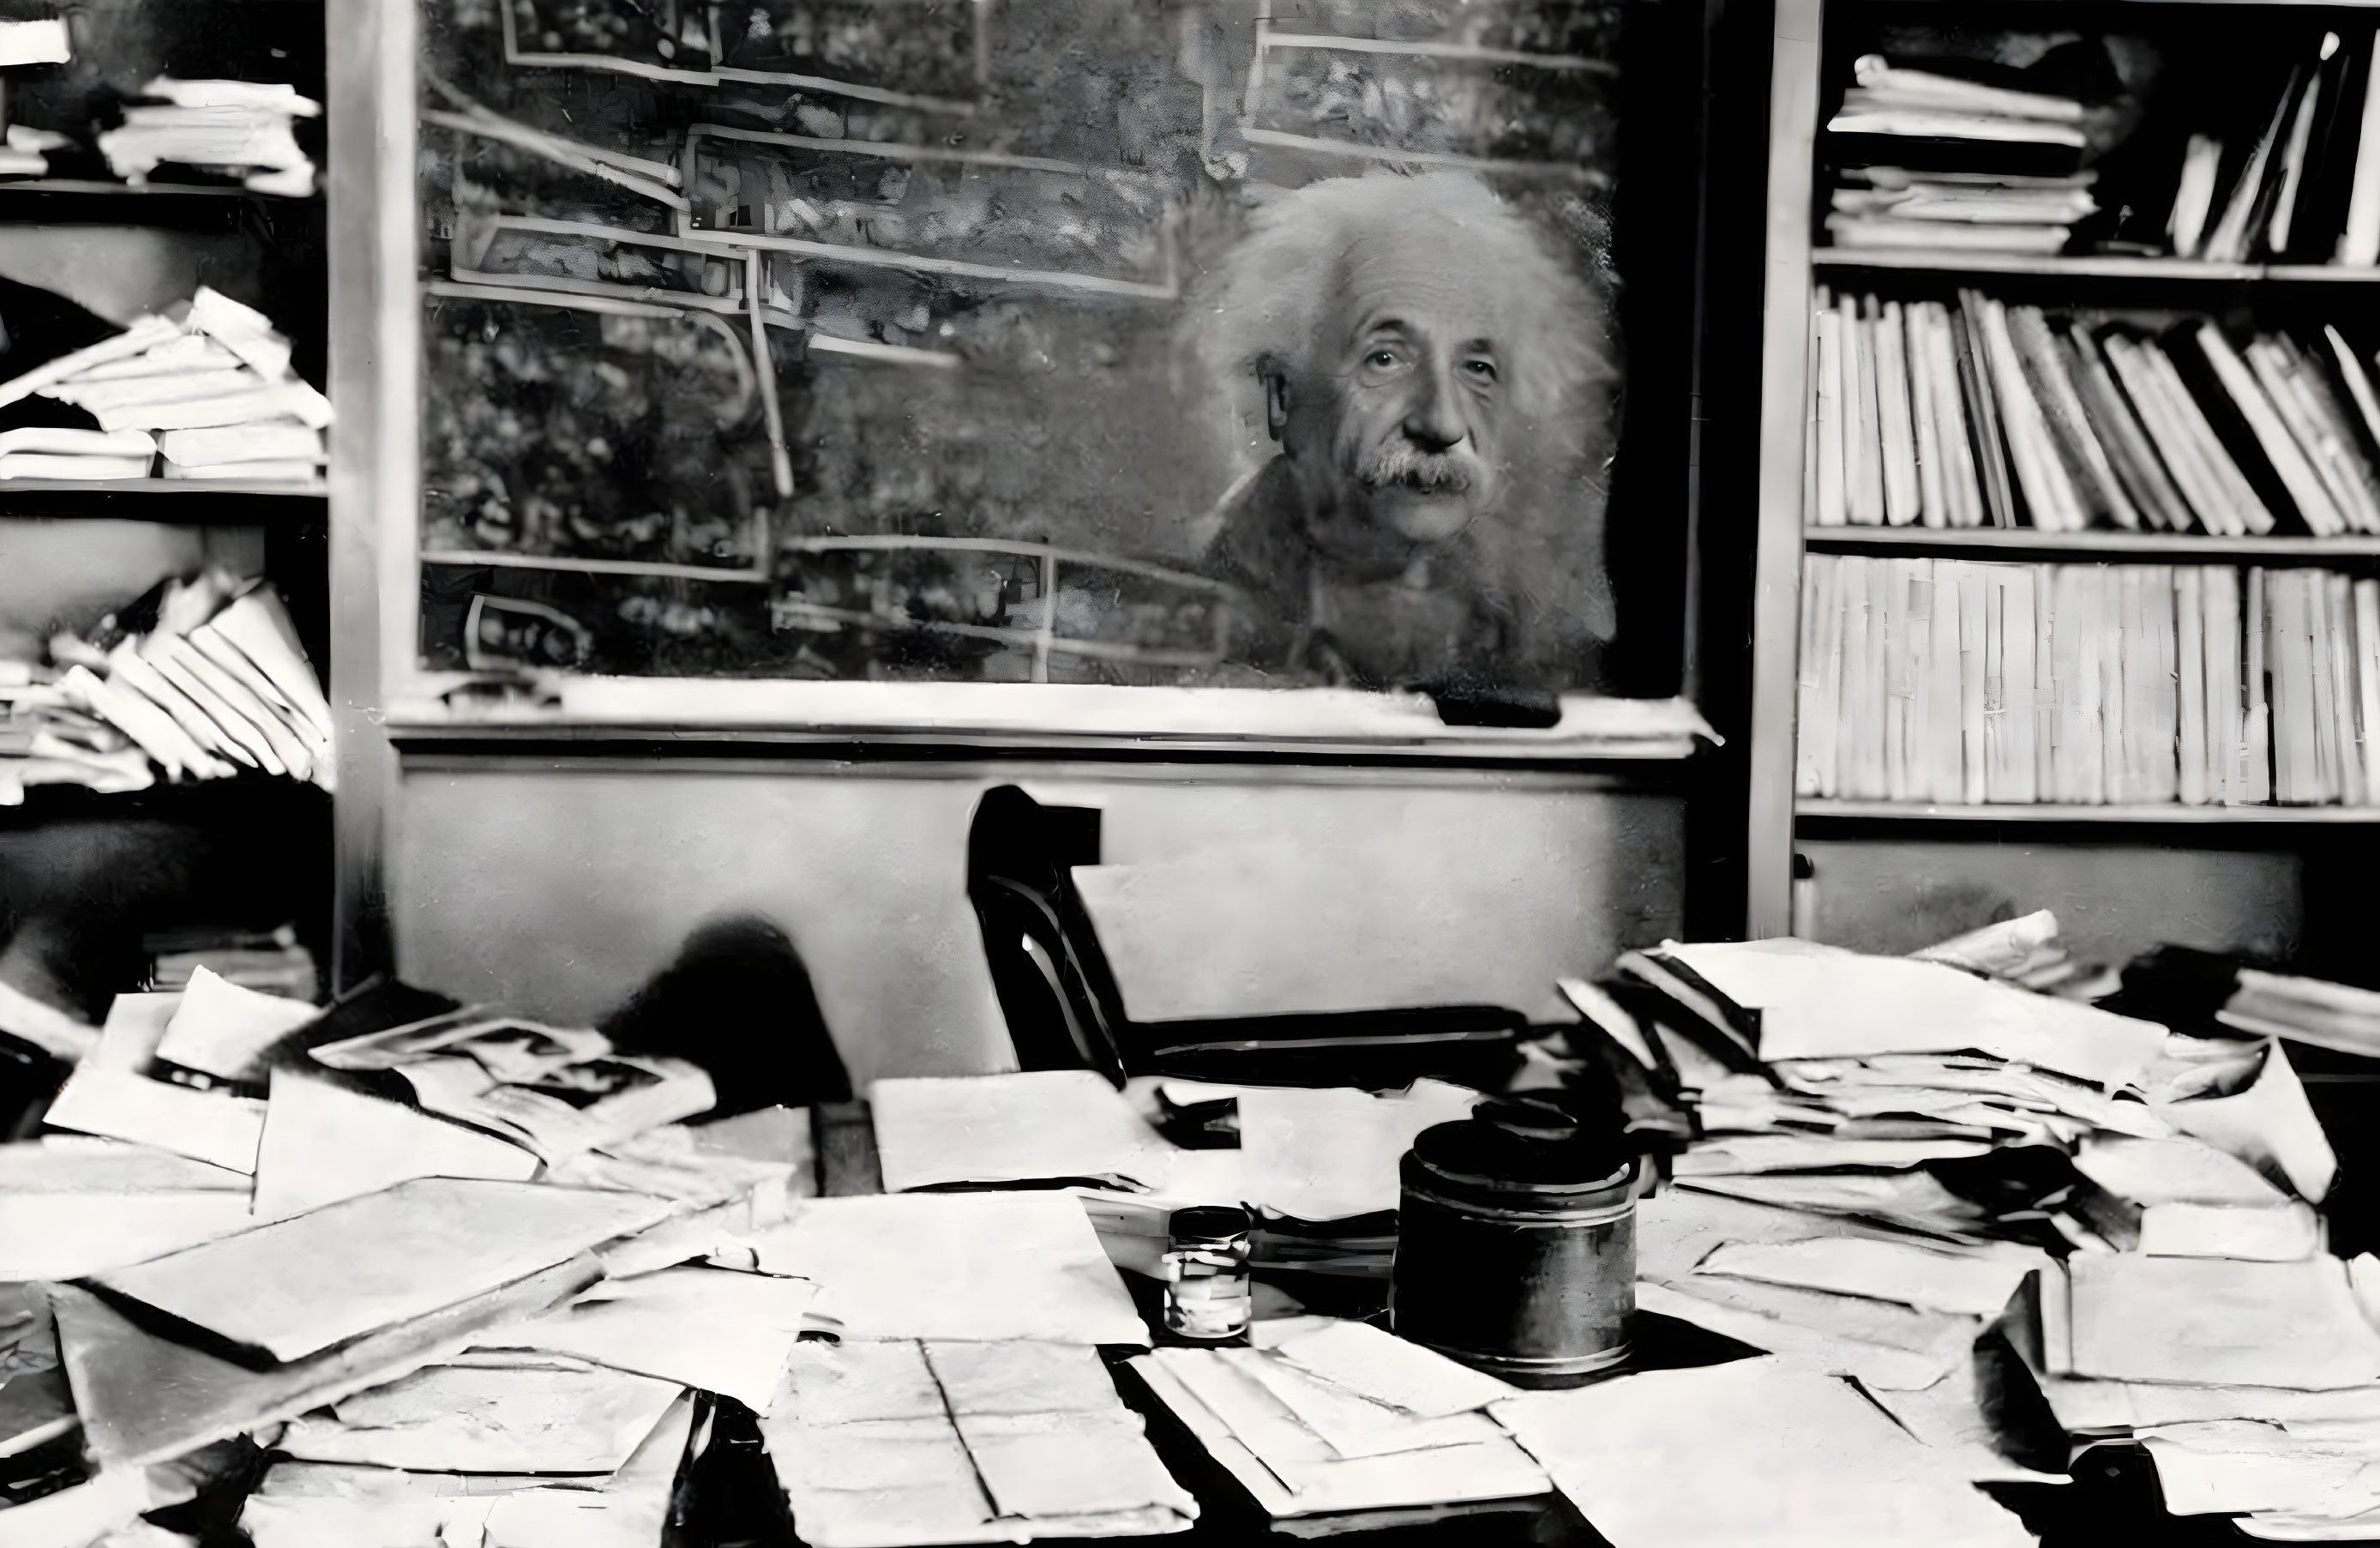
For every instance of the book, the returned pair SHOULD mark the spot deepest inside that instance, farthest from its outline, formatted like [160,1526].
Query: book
[2338,615]
[1832,507]
[2262,417]
[2194,199]
[2235,233]
[2366,603]
[1866,455]
[1933,493]
[1895,429]
[2190,617]
[2256,735]
[2049,496]
[2359,245]
[2127,443]
[2242,508]
[1857,704]
[1991,449]
[1944,688]
[2320,218]
[2294,152]
[1813,727]
[2089,471]
[2226,732]
[1962,480]
[1975,688]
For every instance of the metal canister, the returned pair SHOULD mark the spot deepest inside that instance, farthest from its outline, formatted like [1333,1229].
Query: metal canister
[1516,1245]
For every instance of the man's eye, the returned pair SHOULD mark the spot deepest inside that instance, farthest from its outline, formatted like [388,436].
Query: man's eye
[1484,370]
[1383,358]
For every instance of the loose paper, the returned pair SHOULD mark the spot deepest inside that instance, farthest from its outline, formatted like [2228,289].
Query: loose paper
[1008,1128]
[1354,1425]
[1332,1154]
[2210,1320]
[69,1236]
[2271,1126]
[1745,1454]
[111,1094]
[955,1265]
[1053,1466]
[221,1028]
[1376,1364]
[298,1287]
[480,1418]
[709,1328]
[1968,1284]
[1820,1001]
[323,1144]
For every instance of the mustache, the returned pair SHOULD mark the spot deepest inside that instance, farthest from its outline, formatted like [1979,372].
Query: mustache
[1400,465]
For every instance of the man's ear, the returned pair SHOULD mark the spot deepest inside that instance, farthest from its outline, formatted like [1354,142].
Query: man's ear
[1276,387]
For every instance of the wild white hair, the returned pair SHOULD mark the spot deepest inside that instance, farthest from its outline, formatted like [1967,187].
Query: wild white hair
[1266,300]
[1261,307]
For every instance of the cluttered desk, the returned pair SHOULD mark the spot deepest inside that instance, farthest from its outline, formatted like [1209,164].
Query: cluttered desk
[1773,1243]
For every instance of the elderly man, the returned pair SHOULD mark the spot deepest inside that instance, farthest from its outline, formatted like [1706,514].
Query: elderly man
[1437,380]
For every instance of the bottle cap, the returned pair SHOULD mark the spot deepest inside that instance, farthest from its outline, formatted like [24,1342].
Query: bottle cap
[1209,1223]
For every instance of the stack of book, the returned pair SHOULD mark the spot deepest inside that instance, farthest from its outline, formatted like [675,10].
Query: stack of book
[270,962]
[215,393]
[203,677]
[1951,1188]
[233,128]
[1979,413]
[1931,161]
[1964,682]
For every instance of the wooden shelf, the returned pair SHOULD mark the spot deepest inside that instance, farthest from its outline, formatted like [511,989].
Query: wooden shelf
[2020,541]
[2176,813]
[2086,266]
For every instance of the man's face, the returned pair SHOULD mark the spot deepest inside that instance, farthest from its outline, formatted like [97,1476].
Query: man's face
[1403,408]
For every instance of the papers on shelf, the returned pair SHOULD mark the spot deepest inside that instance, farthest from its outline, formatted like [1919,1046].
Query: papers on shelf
[110,1093]
[479,1417]
[710,1328]
[220,1029]
[228,126]
[954,1266]
[1332,1154]
[1291,1469]
[296,1288]
[893,1442]
[323,1144]
[1377,1365]
[1034,1127]
[34,42]
[2206,1321]
[1751,1452]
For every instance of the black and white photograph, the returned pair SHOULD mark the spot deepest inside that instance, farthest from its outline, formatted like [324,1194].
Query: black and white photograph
[1415,773]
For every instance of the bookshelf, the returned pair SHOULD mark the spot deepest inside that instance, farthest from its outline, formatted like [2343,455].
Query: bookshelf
[254,850]
[2245,293]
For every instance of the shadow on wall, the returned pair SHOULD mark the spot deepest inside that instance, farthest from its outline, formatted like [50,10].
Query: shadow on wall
[737,1001]
[555,891]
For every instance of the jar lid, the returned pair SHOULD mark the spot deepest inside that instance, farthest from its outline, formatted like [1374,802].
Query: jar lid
[1207,1223]
[1528,1147]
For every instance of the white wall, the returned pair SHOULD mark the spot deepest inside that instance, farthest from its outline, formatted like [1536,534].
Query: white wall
[557,891]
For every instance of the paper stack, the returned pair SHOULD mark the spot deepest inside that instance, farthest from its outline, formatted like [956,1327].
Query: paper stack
[888,1443]
[215,393]
[204,679]
[1340,1416]
[273,962]
[1892,1157]
[1953,163]
[2025,952]
[234,127]
[505,1330]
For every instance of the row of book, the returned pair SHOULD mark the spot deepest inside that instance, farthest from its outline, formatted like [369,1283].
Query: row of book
[1917,115]
[1980,413]
[1966,683]
[2306,188]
